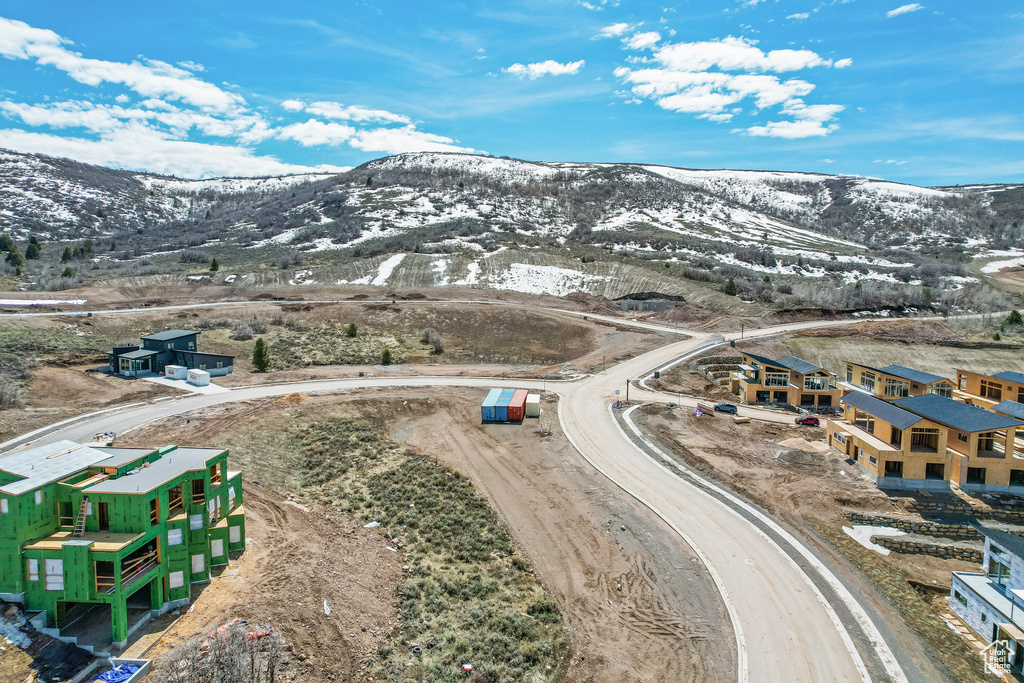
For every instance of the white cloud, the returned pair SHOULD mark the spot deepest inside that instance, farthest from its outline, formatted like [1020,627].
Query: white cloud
[18,40]
[546,68]
[293,105]
[842,63]
[334,110]
[191,66]
[799,16]
[697,78]
[904,9]
[313,132]
[406,139]
[614,30]
[139,148]
[640,41]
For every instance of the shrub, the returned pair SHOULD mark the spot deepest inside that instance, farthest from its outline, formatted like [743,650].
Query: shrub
[214,266]
[385,357]
[351,331]
[433,338]
[242,331]
[258,326]
[260,356]
[10,392]
[730,287]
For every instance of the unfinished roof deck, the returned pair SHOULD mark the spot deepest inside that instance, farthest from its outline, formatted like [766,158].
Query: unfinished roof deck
[102,541]
[123,456]
[170,466]
[44,465]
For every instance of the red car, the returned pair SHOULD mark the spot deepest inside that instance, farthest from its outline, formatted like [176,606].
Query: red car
[809,420]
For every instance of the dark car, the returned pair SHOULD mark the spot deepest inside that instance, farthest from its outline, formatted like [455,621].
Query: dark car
[726,408]
[808,420]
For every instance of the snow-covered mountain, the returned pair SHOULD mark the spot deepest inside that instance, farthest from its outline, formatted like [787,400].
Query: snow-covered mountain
[464,209]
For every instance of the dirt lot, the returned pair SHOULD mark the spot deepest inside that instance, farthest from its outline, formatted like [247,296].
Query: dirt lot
[637,604]
[808,487]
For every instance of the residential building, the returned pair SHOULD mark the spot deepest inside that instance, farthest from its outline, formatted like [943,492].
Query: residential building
[898,449]
[894,381]
[120,530]
[989,390]
[991,603]
[172,347]
[789,380]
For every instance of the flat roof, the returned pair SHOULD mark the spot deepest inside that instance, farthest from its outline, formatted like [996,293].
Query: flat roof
[797,365]
[168,335]
[981,586]
[202,353]
[883,410]
[170,466]
[123,456]
[966,418]
[44,465]
[103,541]
[141,353]
[903,372]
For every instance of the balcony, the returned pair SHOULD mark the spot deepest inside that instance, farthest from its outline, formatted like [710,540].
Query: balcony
[134,567]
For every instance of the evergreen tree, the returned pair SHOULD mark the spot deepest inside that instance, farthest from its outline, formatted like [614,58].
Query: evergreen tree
[730,287]
[385,357]
[68,272]
[260,356]
[351,330]
[67,256]
[32,240]
[6,243]
[32,251]
[1014,319]
[14,257]
[214,266]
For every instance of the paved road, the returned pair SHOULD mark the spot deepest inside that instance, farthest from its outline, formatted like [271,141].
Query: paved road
[785,630]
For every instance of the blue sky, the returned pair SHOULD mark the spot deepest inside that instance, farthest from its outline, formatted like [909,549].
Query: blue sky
[927,93]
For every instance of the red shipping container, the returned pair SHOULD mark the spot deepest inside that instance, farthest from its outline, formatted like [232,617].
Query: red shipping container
[517,406]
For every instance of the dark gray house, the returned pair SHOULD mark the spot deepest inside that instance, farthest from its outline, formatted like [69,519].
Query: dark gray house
[172,347]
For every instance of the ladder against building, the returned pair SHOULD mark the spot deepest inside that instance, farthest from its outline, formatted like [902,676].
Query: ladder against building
[80,520]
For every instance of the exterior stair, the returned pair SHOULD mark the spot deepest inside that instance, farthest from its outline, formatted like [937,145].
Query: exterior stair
[80,520]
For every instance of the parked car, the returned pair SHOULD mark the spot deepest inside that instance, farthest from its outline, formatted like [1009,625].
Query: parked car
[729,408]
[808,420]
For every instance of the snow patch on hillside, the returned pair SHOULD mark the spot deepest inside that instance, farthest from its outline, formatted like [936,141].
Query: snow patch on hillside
[531,279]
[385,270]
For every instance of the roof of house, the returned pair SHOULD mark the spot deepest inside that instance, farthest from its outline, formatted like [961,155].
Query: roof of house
[1013,543]
[1011,408]
[1010,376]
[168,335]
[170,466]
[882,410]
[961,416]
[202,353]
[911,374]
[793,363]
[141,353]
[44,465]
[122,456]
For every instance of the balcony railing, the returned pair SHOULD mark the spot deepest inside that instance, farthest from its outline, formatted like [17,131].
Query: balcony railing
[133,568]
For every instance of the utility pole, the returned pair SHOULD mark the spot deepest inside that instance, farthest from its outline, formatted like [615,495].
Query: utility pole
[742,325]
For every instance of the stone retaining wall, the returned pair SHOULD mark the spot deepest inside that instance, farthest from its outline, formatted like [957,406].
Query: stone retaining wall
[913,526]
[948,552]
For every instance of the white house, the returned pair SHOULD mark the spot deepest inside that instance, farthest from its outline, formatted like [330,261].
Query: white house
[992,602]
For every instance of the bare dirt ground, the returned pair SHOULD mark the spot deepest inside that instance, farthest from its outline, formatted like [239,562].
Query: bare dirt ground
[808,487]
[637,603]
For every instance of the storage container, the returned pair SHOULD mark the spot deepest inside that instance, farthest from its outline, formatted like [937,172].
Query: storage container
[533,405]
[501,407]
[200,378]
[517,406]
[487,407]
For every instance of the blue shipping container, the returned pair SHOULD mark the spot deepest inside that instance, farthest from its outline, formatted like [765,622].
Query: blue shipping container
[501,408]
[487,408]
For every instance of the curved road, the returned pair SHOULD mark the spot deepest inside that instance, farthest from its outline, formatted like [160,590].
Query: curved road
[786,630]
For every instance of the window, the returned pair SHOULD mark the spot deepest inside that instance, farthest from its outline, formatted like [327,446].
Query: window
[944,389]
[934,470]
[198,564]
[816,383]
[176,579]
[867,381]
[924,440]
[3,506]
[195,522]
[872,459]
[191,346]
[975,475]
[1020,394]
[987,441]
[174,537]
[962,437]
[776,379]
[235,534]
[202,366]
[220,364]
[217,547]
[897,437]
[849,374]
[997,571]
[33,570]
[54,575]
[170,345]
[154,512]
[894,388]
[984,617]
[39,497]
[1016,477]
[841,438]
[991,390]
[894,468]
[231,498]
[960,598]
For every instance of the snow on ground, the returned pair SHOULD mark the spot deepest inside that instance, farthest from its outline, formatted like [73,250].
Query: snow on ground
[996,266]
[472,274]
[229,185]
[440,268]
[385,270]
[41,302]
[862,533]
[531,279]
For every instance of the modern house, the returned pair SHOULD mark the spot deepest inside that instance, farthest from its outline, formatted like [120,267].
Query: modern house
[949,441]
[992,603]
[898,449]
[172,347]
[988,391]
[894,382]
[789,381]
[119,531]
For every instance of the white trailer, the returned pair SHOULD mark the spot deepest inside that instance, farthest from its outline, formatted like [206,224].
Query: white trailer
[533,405]
[175,372]
[200,378]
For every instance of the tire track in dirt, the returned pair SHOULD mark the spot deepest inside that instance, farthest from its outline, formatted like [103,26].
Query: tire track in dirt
[637,602]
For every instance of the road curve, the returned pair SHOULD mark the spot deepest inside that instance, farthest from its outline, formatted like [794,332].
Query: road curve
[785,629]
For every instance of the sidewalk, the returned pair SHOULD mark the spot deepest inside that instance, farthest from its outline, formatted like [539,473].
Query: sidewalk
[185,386]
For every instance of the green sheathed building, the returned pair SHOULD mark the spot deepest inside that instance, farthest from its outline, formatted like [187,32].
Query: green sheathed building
[85,526]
